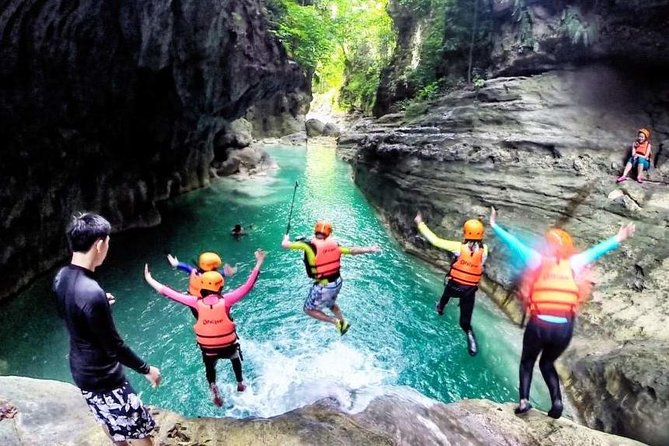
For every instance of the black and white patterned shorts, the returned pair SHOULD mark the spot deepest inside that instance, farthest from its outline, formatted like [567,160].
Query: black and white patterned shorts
[122,412]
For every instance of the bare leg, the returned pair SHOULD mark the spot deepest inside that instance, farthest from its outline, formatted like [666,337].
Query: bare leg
[639,172]
[628,167]
[337,312]
[142,442]
[318,314]
[626,172]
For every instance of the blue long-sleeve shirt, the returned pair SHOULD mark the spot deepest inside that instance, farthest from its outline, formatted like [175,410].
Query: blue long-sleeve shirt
[189,268]
[185,267]
[532,259]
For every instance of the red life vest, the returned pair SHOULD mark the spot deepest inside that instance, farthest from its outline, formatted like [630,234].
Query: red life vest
[214,327]
[555,290]
[468,267]
[327,259]
[642,148]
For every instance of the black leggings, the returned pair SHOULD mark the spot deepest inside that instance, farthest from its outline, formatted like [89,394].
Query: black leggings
[467,295]
[210,357]
[551,339]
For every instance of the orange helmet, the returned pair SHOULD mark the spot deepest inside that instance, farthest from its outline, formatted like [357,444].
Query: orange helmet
[209,261]
[645,133]
[212,281]
[323,227]
[559,242]
[473,229]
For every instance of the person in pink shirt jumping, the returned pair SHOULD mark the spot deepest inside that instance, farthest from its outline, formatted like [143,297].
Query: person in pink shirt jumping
[215,330]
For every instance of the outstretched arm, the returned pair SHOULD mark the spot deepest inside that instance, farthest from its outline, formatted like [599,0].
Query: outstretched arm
[238,294]
[185,267]
[175,263]
[355,250]
[583,259]
[168,292]
[447,245]
[285,243]
[530,257]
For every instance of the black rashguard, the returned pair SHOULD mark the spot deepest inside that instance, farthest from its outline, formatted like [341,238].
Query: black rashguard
[96,349]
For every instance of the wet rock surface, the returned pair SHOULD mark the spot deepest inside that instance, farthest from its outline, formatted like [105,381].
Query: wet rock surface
[51,412]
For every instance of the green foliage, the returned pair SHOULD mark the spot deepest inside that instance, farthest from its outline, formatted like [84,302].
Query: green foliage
[478,82]
[418,7]
[428,92]
[306,32]
[577,29]
[344,43]
[431,48]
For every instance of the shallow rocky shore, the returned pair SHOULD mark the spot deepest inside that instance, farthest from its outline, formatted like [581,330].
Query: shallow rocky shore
[54,413]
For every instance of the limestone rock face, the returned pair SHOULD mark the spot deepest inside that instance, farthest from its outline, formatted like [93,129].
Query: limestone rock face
[530,37]
[626,390]
[52,412]
[544,150]
[111,106]
[546,35]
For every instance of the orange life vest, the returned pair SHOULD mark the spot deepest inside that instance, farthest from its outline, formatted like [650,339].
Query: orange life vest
[642,148]
[555,291]
[194,283]
[327,261]
[467,269]
[214,327]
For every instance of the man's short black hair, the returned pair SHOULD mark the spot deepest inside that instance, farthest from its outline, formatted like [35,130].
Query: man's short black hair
[85,229]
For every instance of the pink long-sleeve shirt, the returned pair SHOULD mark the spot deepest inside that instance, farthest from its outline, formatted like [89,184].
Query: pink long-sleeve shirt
[229,298]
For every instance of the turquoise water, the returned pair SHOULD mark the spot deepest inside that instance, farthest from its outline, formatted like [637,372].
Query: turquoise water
[396,339]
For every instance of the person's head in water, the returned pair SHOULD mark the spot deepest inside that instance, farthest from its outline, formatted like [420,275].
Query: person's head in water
[323,229]
[473,231]
[88,236]
[558,243]
[237,228]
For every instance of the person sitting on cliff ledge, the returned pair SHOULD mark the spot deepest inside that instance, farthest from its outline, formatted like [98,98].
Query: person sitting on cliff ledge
[639,158]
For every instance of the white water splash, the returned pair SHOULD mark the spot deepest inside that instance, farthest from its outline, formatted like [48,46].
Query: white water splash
[298,377]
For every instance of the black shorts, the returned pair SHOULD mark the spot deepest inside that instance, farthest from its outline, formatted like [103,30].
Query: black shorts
[231,352]
[122,412]
[458,290]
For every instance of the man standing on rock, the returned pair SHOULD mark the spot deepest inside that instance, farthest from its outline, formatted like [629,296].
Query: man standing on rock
[97,352]
[554,285]
[465,273]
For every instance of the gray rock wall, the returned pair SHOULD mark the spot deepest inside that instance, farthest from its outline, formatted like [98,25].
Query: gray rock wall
[112,106]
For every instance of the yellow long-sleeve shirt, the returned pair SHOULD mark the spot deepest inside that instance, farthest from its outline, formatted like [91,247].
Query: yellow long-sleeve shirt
[447,245]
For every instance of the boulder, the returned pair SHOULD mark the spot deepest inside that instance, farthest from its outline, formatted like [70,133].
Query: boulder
[314,127]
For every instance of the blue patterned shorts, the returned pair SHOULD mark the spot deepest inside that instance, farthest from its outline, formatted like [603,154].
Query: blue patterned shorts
[321,296]
[122,412]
